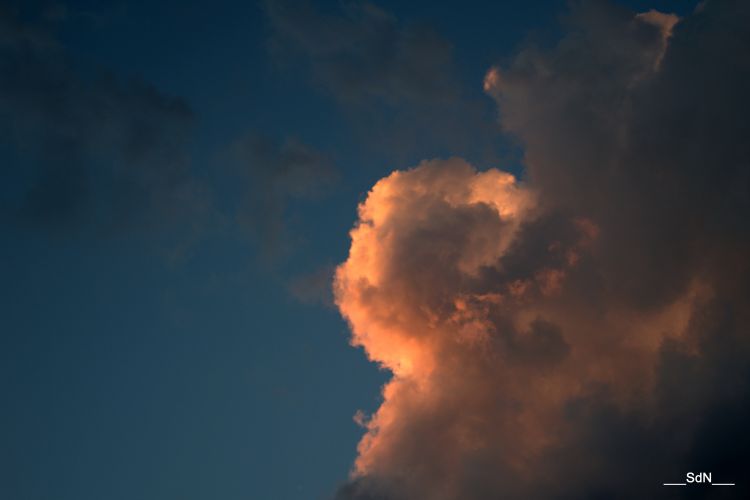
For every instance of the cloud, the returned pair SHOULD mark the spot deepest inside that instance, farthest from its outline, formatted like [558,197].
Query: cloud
[581,334]
[94,154]
[364,53]
[89,152]
[274,174]
[398,83]
[314,287]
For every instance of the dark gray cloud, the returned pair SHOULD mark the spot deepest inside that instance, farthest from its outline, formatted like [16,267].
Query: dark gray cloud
[90,152]
[314,287]
[655,153]
[94,154]
[398,83]
[362,52]
[605,351]
[274,174]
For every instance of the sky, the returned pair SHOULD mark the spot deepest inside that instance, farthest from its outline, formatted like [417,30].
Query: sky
[373,250]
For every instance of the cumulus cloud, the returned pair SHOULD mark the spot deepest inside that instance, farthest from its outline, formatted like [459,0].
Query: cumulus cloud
[583,333]
[91,152]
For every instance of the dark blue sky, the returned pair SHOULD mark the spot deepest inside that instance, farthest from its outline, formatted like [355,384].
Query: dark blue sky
[158,351]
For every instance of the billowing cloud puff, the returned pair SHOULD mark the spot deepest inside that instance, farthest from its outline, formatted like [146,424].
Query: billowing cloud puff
[581,334]
[442,215]
[460,286]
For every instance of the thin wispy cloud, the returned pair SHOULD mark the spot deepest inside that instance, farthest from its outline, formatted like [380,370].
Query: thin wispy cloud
[101,154]
[398,83]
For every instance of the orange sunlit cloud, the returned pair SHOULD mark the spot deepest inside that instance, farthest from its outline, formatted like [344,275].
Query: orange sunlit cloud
[482,361]
[543,336]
